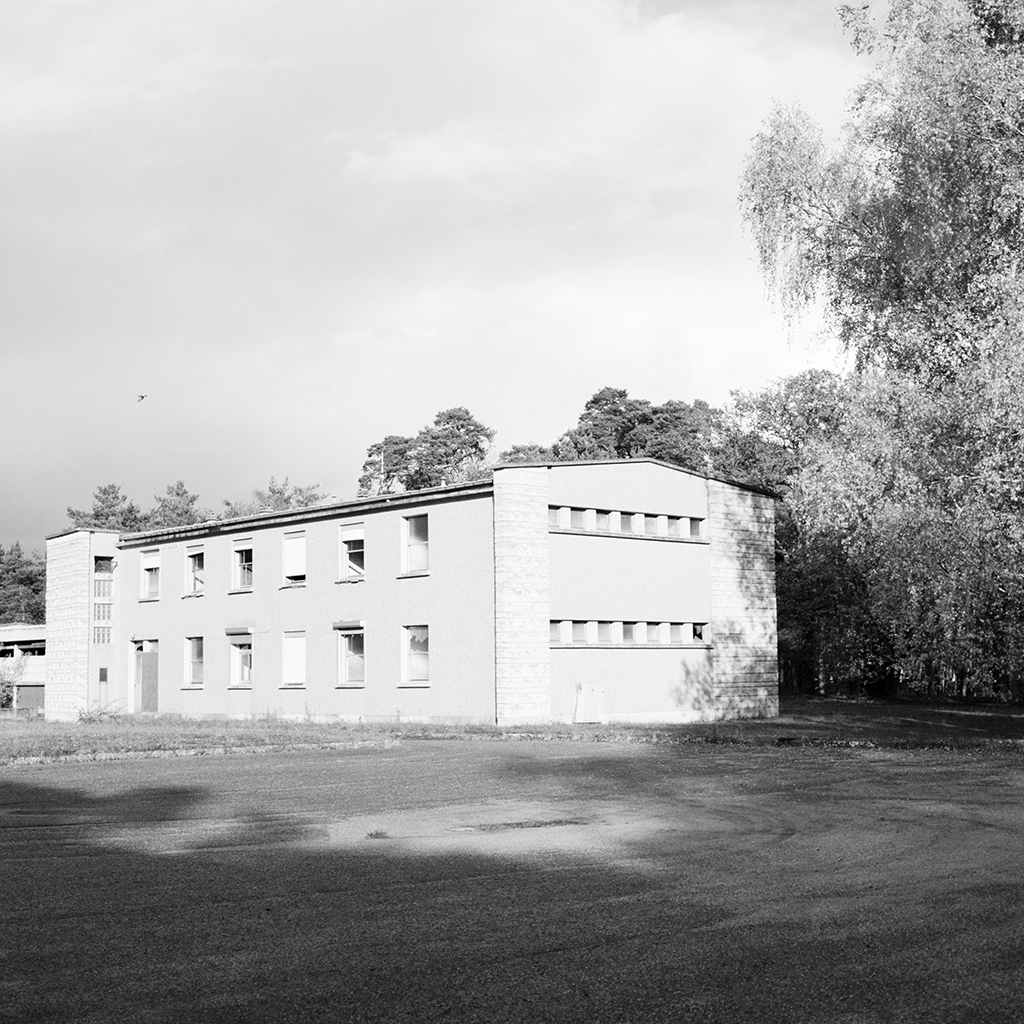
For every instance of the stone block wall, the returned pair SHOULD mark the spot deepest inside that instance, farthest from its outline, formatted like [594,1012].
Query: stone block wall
[68,610]
[745,664]
[521,596]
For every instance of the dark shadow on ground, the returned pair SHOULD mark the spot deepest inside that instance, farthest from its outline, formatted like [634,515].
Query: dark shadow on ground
[799,907]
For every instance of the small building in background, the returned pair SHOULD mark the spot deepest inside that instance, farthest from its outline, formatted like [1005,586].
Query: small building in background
[628,591]
[23,666]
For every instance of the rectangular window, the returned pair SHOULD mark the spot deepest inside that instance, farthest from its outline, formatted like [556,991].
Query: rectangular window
[604,632]
[553,516]
[576,520]
[699,629]
[417,639]
[294,553]
[101,634]
[102,588]
[654,632]
[651,526]
[625,522]
[417,557]
[101,612]
[103,563]
[673,526]
[293,669]
[353,553]
[150,575]
[629,632]
[579,632]
[696,527]
[242,555]
[604,521]
[675,631]
[353,662]
[241,662]
[195,570]
[556,632]
[195,661]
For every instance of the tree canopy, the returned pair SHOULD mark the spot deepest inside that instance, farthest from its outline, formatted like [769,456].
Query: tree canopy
[277,497]
[22,585]
[911,228]
[904,506]
[177,506]
[450,450]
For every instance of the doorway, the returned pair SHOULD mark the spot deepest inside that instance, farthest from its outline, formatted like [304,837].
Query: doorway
[146,674]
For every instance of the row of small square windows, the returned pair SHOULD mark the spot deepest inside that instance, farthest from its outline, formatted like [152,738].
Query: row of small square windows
[415,559]
[579,632]
[636,524]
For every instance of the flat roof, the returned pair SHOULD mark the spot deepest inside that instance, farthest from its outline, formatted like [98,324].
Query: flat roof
[326,510]
[400,499]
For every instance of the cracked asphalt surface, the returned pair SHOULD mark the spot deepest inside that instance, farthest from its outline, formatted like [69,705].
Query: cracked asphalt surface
[516,881]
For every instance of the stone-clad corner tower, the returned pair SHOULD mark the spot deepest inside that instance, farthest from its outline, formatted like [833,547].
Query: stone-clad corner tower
[79,621]
[521,596]
[746,647]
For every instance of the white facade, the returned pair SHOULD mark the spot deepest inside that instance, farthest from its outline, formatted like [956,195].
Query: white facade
[612,591]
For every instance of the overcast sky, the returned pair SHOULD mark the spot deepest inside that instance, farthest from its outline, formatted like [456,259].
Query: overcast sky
[297,227]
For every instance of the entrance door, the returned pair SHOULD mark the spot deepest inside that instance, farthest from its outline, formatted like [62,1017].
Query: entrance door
[146,661]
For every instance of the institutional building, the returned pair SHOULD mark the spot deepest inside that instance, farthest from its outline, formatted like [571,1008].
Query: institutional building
[630,591]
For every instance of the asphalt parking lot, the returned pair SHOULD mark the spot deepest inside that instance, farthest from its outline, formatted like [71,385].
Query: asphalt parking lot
[516,881]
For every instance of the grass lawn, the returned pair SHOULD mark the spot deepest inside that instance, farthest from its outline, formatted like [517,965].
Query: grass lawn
[803,721]
[563,880]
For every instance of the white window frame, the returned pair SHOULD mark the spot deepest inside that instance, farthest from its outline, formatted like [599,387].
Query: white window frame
[346,678]
[293,659]
[191,661]
[149,581]
[352,535]
[415,664]
[195,579]
[238,566]
[240,661]
[293,558]
[415,551]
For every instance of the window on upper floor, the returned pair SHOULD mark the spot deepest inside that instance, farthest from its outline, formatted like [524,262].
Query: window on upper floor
[353,553]
[150,575]
[195,570]
[294,557]
[242,565]
[696,528]
[417,549]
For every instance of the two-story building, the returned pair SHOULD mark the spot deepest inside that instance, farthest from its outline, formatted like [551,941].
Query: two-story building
[606,591]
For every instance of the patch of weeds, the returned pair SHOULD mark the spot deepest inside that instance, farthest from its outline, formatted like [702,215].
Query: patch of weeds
[99,713]
[377,833]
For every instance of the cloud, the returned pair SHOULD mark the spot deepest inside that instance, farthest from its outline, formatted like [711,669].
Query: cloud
[300,226]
